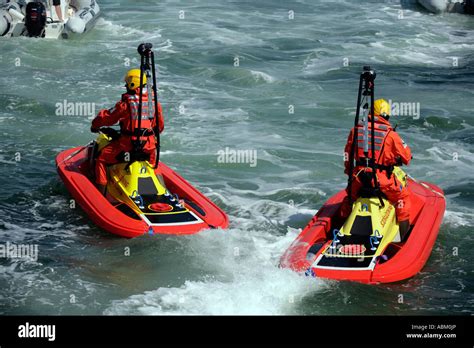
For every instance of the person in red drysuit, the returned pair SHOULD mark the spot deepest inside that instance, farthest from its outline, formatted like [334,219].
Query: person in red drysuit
[390,150]
[125,112]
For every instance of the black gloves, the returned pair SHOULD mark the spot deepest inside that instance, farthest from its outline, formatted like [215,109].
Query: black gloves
[398,161]
[110,132]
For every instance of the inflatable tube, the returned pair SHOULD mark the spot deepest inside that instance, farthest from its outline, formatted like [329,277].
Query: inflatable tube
[8,14]
[87,11]
[5,22]
[17,14]
[441,6]
[435,6]
[73,166]
[400,260]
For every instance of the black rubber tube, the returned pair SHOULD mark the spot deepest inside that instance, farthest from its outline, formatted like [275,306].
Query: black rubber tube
[137,146]
[354,141]
[157,119]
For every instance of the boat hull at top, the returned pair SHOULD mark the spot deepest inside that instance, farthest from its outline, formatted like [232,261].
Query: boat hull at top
[399,260]
[73,167]
[440,6]
[42,20]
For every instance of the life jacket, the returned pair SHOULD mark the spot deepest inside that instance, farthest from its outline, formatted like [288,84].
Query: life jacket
[381,131]
[130,126]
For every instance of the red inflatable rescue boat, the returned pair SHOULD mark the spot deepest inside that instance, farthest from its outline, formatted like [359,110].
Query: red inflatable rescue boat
[180,209]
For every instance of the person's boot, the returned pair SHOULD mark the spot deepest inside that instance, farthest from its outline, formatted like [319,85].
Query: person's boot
[404,227]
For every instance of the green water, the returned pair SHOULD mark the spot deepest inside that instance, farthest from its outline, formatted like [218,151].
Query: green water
[211,104]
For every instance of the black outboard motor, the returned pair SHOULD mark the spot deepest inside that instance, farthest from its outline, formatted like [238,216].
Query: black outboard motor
[35,19]
[469,7]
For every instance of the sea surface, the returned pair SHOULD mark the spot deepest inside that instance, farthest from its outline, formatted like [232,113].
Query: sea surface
[276,77]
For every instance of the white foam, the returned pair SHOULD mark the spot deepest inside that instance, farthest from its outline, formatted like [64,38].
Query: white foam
[125,32]
[6,161]
[245,277]
[258,75]
[252,282]
[231,37]
[456,218]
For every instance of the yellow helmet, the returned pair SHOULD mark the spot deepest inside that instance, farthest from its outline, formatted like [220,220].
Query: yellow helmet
[132,79]
[381,107]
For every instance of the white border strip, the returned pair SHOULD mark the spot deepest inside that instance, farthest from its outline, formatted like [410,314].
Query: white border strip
[198,221]
[369,268]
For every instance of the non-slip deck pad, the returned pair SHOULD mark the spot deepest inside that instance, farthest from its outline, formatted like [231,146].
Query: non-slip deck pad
[339,260]
[171,218]
[179,214]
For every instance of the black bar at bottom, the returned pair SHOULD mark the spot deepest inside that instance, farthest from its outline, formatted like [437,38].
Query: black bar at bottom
[228,330]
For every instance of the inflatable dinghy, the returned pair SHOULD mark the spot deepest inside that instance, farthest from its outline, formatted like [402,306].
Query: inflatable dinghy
[39,18]
[442,6]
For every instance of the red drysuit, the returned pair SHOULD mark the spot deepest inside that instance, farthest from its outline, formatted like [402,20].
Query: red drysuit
[125,112]
[390,150]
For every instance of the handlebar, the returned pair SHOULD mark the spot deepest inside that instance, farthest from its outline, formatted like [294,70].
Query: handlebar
[144,49]
[369,73]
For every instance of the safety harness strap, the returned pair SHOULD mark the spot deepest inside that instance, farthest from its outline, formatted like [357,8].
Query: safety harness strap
[138,132]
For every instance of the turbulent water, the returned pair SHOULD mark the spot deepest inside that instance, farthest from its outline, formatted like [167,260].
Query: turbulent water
[291,98]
